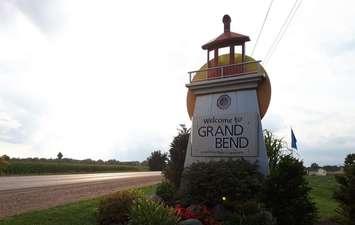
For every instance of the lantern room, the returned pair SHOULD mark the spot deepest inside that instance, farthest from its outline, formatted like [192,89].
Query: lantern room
[226,39]
[231,64]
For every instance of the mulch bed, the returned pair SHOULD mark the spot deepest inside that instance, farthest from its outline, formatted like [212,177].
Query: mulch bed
[327,222]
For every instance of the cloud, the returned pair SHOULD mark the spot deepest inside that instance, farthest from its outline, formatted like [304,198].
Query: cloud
[46,15]
[273,122]
[19,117]
[325,155]
[7,124]
[109,82]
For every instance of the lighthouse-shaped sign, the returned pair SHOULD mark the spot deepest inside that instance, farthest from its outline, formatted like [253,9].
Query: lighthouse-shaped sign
[226,100]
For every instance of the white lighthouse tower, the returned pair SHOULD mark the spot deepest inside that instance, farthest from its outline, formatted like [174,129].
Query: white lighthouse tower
[227,98]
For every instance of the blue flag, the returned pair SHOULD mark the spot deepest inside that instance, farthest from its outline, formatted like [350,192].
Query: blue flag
[293,140]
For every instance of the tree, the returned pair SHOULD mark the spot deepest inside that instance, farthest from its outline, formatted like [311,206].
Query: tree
[177,153]
[275,147]
[60,156]
[349,161]
[157,160]
[144,163]
[112,161]
[345,194]
[5,157]
[3,162]
[314,166]
[329,168]
[87,161]
[286,193]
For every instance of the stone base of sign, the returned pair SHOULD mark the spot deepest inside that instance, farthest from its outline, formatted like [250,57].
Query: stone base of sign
[226,123]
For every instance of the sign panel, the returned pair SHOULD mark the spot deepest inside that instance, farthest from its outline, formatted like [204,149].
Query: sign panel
[232,135]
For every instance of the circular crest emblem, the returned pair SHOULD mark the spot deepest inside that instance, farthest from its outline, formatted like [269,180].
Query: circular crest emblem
[223,102]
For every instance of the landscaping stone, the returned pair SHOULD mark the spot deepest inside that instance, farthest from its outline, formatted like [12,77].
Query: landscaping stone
[156,198]
[219,212]
[195,208]
[327,222]
[190,222]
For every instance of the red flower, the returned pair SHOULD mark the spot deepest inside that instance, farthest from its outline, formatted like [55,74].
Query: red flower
[190,215]
[180,211]
[185,213]
[203,214]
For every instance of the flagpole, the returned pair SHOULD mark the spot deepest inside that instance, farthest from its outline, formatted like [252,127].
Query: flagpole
[291,138]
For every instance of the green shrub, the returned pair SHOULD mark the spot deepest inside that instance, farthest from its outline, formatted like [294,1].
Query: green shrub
[166,191]
[114,209]
[213,181]
[148,212]
[177,153]
[250,213]
[286,194]
[345,194]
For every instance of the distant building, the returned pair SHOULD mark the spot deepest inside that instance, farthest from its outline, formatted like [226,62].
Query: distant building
[337,172]
[317,172]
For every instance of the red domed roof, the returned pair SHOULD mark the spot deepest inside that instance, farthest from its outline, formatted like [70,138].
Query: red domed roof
[228,38]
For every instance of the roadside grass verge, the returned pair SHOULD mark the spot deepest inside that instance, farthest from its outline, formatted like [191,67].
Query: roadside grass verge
[78,213]
[323,188]
[56,167]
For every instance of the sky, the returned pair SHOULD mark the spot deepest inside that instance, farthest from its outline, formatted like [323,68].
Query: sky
[106,79]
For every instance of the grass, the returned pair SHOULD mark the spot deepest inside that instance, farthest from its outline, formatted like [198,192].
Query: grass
[56,167]
[322,193]
[78,213]
[84,212]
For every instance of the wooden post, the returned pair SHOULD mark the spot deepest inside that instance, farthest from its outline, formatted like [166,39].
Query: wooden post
[216,57]
[208,59]
[231,56]
[243,52]
[243,57]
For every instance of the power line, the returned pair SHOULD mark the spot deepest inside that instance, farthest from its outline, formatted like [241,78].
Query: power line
[282,30]
[262,27]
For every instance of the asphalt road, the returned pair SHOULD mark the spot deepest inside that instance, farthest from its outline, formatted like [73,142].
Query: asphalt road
[19,194]
[20,182]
